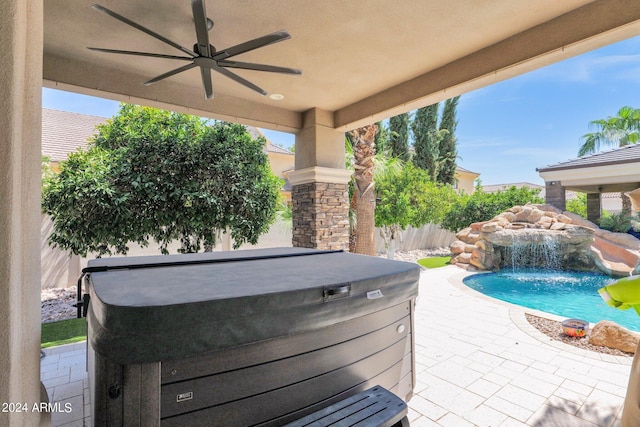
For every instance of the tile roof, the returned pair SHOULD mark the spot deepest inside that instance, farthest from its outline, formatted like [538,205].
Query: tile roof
[501,187]
[627,154]
[277,149]
[270,146]
[64,132]
[460,169]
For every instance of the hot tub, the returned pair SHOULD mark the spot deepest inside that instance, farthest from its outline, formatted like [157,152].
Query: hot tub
[256,337]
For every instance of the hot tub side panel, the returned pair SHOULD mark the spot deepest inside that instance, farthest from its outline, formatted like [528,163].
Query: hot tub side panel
[267,383]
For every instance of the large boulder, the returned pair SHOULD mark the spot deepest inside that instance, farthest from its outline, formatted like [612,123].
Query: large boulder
[578,220]
[457,247]
[609,334]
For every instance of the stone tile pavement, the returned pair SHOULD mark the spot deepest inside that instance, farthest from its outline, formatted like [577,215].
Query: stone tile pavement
[478,362]
[64,374]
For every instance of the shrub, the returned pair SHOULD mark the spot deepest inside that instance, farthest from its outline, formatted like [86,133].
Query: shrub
[482,206]
[578,205]
[617,222]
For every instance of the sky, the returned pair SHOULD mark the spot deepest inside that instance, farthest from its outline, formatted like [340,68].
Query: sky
[506,130]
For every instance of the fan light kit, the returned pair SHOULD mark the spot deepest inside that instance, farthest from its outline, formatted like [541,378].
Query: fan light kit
[204,55]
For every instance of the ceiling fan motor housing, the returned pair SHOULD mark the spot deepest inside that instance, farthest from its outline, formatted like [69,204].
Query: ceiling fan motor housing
[196,49]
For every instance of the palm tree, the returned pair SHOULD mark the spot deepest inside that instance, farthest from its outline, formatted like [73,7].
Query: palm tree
[618,131]
[383,165]
[364,150]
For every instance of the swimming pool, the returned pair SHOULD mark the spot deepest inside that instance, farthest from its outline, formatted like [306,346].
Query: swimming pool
[565,293]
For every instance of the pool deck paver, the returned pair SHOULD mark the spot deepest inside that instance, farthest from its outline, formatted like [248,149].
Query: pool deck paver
[478,363]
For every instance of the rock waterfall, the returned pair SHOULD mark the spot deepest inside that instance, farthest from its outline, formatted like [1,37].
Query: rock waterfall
[525,236]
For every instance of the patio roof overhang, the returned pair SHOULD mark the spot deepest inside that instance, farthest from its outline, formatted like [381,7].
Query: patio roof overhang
[610,171]
[362,61]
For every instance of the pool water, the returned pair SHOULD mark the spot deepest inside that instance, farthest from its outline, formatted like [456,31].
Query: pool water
[565,293]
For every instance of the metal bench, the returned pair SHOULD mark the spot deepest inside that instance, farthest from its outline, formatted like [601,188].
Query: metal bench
[376,407]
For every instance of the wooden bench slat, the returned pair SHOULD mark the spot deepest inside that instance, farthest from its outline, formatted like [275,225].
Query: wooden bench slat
[371,408]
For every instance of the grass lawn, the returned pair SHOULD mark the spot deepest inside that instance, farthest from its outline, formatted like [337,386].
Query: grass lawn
[63,332]
[434,262]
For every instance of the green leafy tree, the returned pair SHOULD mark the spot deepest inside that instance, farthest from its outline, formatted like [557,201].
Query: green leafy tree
[427,139]
[616,131]
[482,206]
[448,152]
[410,197]
[46,171]
[399,136]
[155,175]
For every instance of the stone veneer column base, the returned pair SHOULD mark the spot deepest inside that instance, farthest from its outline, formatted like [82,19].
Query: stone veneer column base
[555,195]
[594,207]
[321,215]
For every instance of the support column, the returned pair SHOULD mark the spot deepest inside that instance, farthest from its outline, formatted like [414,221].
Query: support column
[21,24]
[320,193]
[594,207]
[555,195]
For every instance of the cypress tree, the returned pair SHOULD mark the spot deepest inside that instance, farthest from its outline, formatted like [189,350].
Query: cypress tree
[426,139]
[381,140]
[399,136]
[447,149]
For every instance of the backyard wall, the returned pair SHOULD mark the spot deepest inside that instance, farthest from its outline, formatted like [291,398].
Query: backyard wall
[60,270]
[426,237]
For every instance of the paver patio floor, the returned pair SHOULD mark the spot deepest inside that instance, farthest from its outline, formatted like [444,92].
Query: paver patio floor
[478,362]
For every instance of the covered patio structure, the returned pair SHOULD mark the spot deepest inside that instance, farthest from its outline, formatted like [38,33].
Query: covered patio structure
[610,171]
[361,61]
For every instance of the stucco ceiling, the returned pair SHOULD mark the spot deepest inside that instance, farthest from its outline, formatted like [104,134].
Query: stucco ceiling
[361,60]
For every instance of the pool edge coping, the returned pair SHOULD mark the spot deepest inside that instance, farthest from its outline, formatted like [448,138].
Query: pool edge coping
[517,316]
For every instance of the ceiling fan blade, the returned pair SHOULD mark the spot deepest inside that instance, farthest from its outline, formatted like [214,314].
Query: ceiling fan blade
[202,33]
[276,37]
[137,26]
[206,82]
[169,74]
[238,79]
[131,52]
[258,67]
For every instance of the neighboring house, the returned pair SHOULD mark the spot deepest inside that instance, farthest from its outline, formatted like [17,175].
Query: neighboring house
[465,180]
[282,161]
[63,133]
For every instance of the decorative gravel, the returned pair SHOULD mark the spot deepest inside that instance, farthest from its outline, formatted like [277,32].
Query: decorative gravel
[415,255]
[553,330]
[57,304]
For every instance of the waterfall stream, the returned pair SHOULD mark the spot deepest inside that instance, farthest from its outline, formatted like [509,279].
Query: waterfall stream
[543,252]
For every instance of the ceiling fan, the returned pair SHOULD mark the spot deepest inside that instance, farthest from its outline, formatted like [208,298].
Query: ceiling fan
[204,55]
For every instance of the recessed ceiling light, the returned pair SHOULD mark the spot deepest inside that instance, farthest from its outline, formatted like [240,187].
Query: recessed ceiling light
[276,96]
